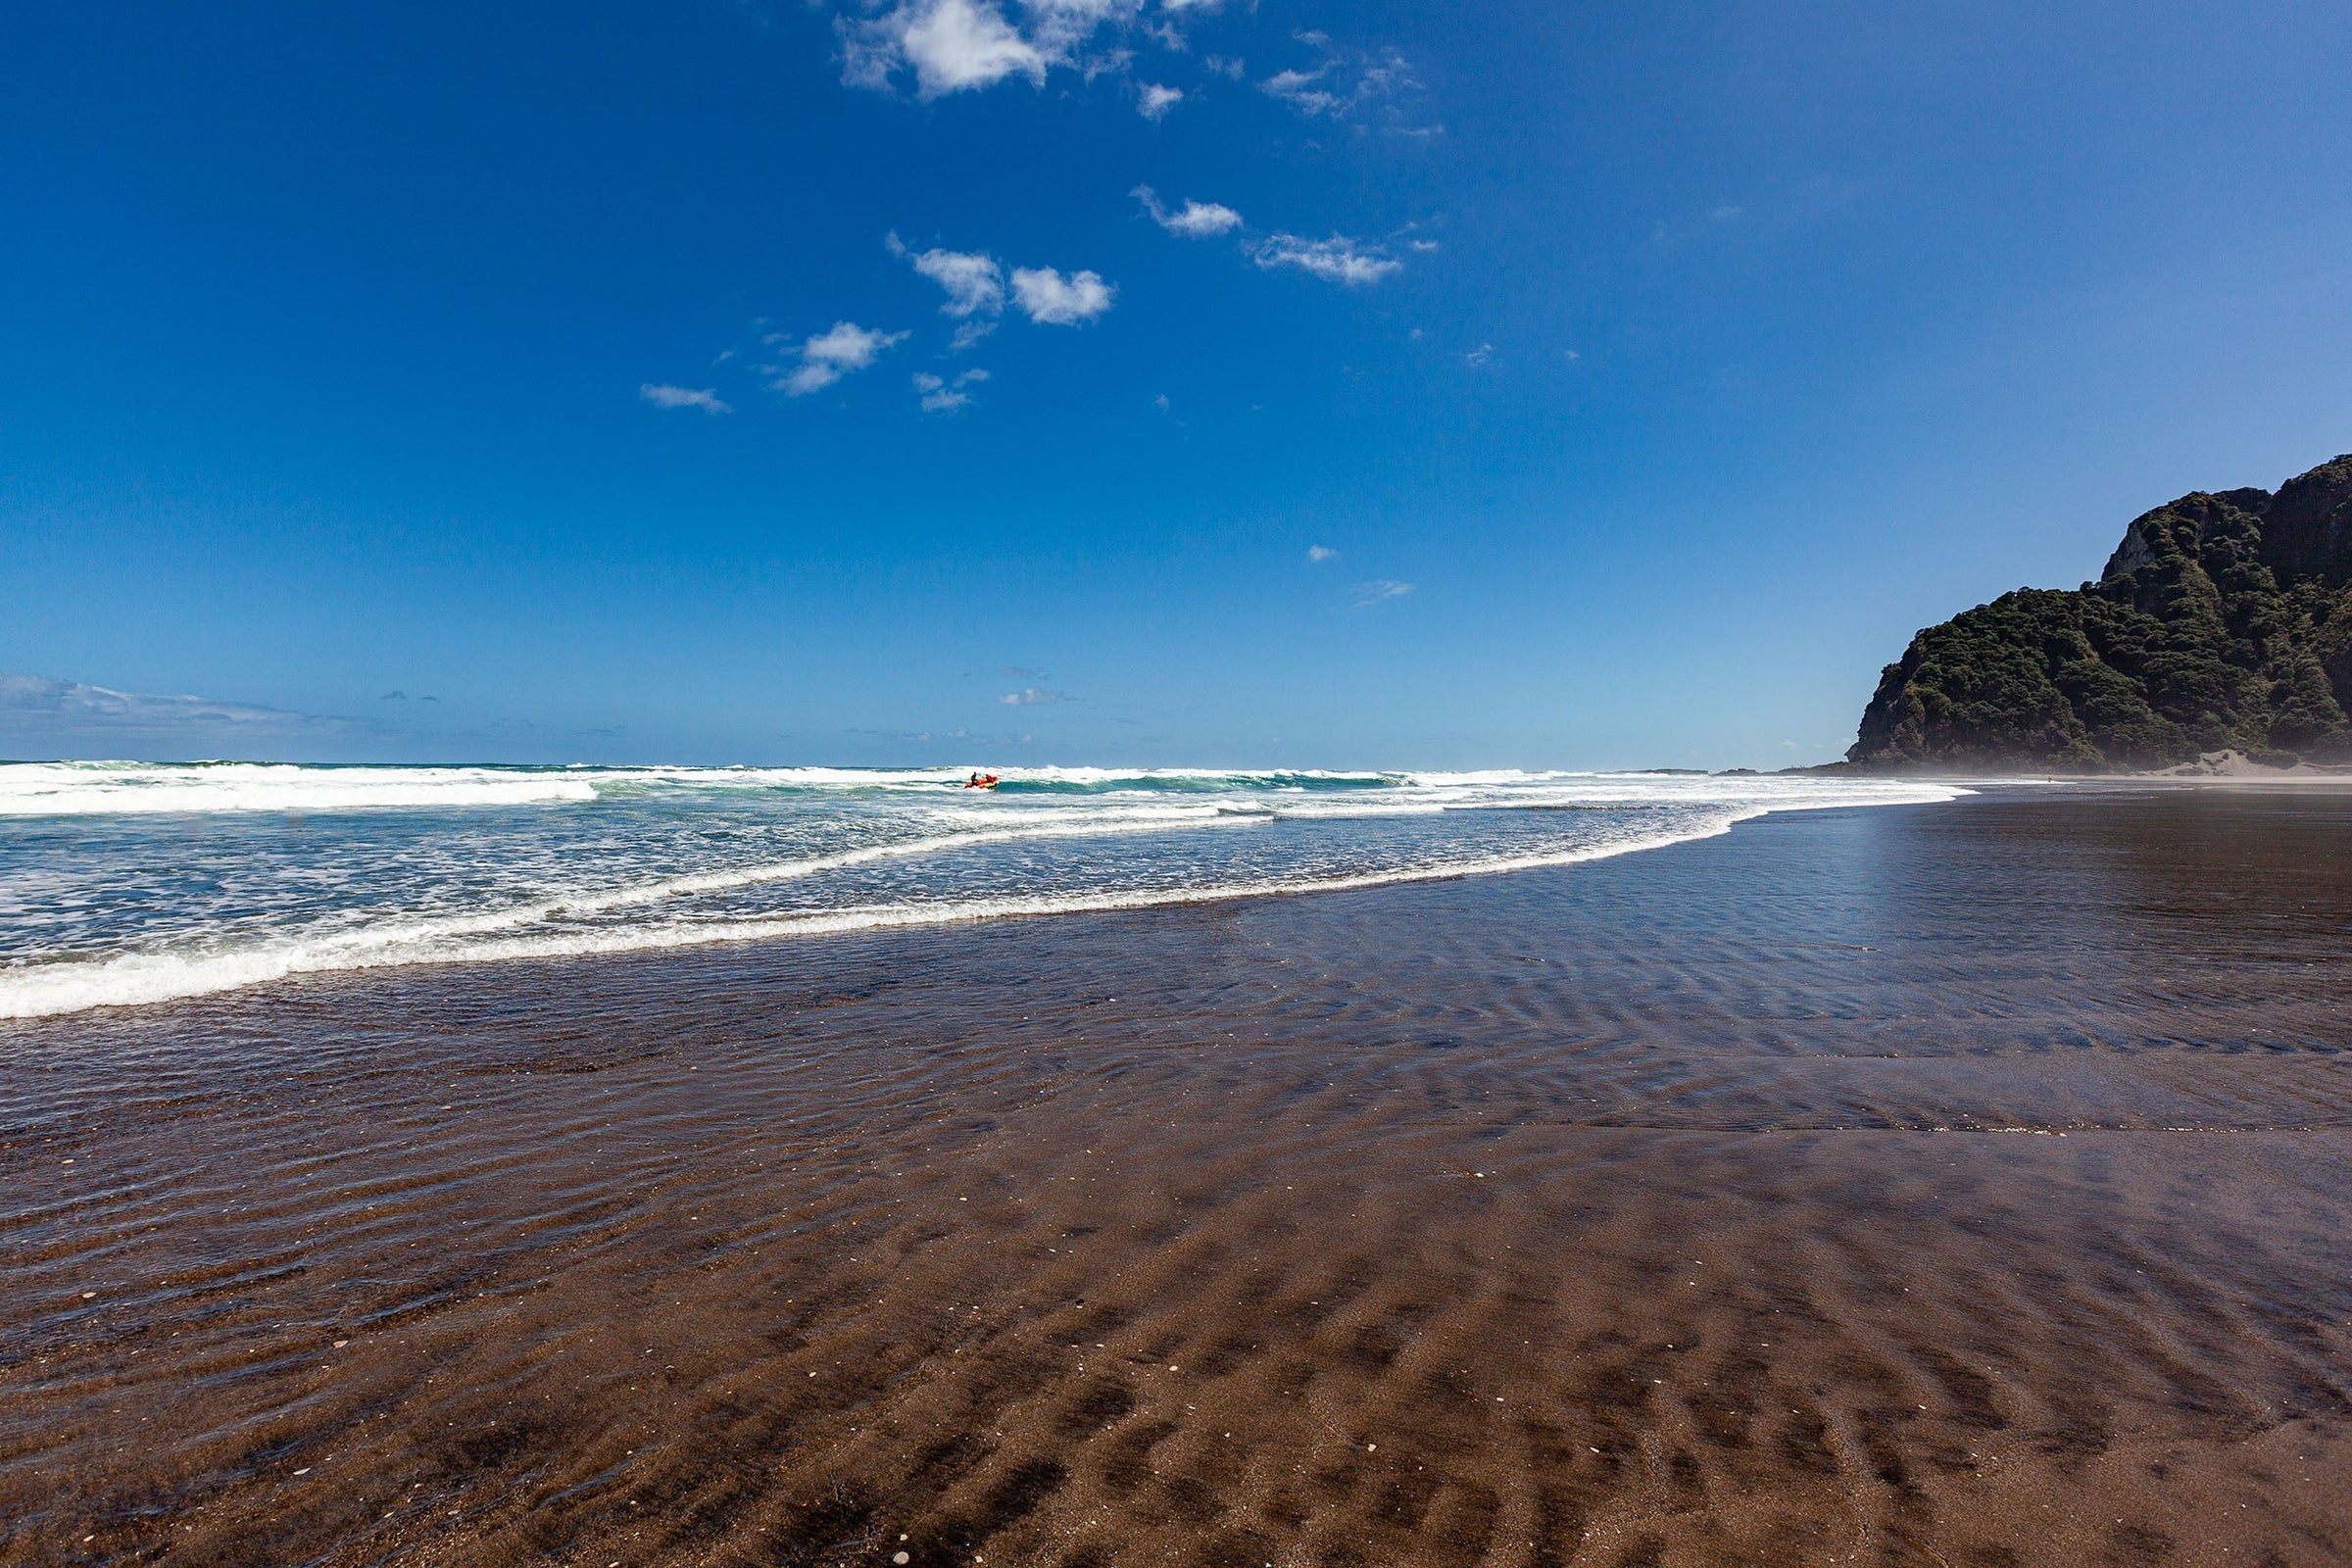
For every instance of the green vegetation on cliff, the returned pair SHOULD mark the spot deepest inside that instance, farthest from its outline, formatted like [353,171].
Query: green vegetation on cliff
[2221,620]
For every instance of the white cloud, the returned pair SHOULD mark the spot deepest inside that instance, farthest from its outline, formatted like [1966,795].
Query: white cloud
[1300,89]
[1337,260]
[1154,101]
[939,395]
[683,397]
[1319,554]
[973,281]
[1031,697]
[833,354]
[961,45]
[1479,354]
[1057,301]
[952,45]
[1379,589]
[1194,219]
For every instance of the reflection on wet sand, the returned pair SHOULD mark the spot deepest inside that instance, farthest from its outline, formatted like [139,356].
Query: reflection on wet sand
[1958,1184]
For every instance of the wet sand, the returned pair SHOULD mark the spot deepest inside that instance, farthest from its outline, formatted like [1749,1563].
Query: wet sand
[1962,1185]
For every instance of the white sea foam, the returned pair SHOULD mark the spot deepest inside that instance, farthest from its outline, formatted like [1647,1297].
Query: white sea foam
[88,789]
[78,789]
[581,921]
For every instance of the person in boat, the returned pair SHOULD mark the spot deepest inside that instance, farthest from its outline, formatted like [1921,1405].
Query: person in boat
[981,781]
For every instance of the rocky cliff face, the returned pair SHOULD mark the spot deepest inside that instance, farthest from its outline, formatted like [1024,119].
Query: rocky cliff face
[2220,621]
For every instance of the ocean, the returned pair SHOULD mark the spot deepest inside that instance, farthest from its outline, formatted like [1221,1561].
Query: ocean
[125,884]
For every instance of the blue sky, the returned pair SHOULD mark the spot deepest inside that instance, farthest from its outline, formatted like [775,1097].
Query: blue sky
[1491,384]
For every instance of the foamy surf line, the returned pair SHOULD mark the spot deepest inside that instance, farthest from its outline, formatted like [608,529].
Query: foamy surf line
[131,789]
[134,980]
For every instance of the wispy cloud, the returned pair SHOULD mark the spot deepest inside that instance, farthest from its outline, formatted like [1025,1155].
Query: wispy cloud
[1378,591]
[1194,219]
[1319,554]
[1031,697]
[973,281]
[663,396]
[1154,101]
[1303,90]
[1345,81]
[968,736]
[830,355]
[939,395]
[1479,354]
[1337,260]
[41,704]
[1106,62]
[1057,301]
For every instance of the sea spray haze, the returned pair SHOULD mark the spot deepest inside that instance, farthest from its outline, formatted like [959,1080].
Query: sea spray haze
[133,883]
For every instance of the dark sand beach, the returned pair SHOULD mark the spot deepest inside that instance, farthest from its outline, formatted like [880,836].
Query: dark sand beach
[1967,1183]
